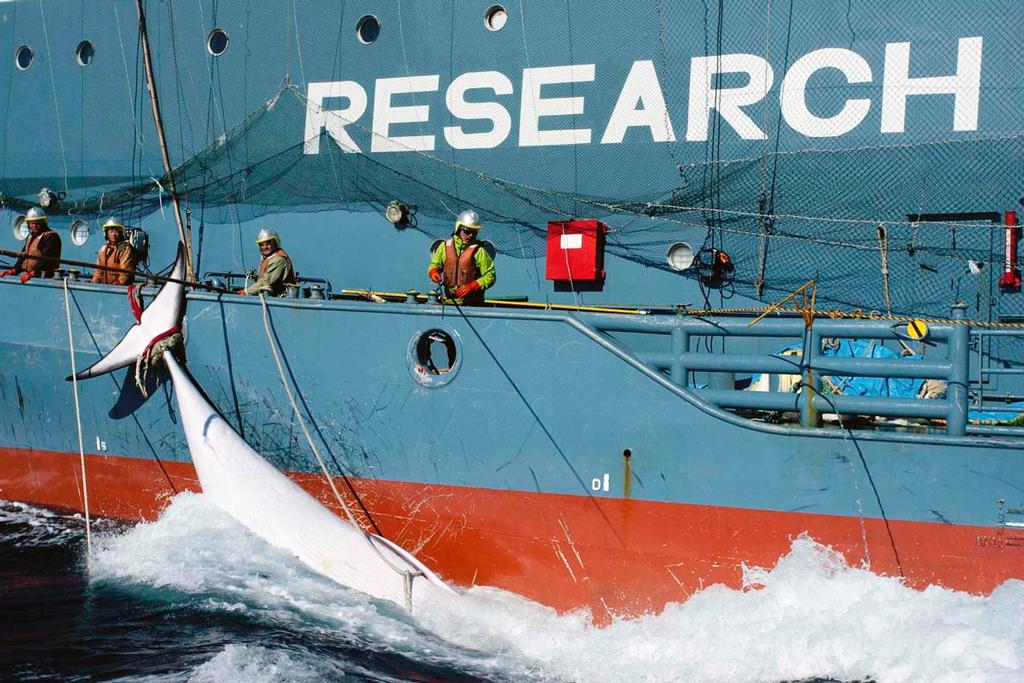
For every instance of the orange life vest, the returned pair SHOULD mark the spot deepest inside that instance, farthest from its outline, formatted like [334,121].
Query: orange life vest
[121,256]
[36,260]
[459,269]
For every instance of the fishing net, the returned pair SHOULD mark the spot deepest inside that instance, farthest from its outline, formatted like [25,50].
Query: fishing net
[898,222]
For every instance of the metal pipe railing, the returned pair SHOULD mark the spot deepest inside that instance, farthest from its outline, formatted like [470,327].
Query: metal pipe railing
[812,365]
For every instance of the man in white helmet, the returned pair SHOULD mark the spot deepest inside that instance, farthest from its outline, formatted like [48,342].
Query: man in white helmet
[115,253]
[465,268]
[276,268]
[41,250]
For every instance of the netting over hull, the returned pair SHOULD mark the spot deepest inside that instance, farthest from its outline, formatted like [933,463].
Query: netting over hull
[896,218]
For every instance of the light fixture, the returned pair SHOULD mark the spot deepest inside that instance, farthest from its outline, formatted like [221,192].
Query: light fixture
[48,198]
[19,227]
[397,213]
[975,266]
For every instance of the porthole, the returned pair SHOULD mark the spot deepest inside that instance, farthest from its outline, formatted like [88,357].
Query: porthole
[367,29]
[23,57]
[434,357]
[495,18]
[80,231]
[84,53]
[680,256]
[19,227]
[217,42]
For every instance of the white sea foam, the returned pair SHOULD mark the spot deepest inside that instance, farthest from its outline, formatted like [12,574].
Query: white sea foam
[27,525]
[811,615]
[256,665]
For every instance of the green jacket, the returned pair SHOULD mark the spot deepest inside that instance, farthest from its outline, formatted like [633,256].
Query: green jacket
[275,274]
[484,264]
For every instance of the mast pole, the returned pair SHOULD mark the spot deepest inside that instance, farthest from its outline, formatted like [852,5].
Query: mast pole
[184,235]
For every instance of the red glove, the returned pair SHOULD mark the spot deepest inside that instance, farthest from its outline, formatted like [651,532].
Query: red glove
[25,277]
[241,291]
[435,275]
[466,290]
[9,271]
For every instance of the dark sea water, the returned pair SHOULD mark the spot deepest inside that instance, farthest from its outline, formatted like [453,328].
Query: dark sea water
[195,597]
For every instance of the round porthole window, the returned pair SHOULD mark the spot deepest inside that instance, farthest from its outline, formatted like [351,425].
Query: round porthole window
[23,57]
[80,231]
[367,29]
[217,42]
[495,18]
[19,227]
[85,53]
[434,357]
[680,256]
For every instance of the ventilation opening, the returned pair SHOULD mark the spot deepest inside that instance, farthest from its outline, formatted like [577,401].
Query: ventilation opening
[436,353]
[85,53]
[367,29]
[217,42]
[495,18]
[23,57]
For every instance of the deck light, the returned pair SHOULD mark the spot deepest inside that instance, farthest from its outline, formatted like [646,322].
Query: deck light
[397,213]
[19,227]
[48,198]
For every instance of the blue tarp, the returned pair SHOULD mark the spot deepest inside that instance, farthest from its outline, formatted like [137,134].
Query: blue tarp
[870,386]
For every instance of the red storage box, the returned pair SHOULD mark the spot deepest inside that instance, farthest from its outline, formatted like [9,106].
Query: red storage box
[575,250]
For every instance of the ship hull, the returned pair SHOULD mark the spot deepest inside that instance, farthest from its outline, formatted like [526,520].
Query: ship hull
[613,557]
[549,461]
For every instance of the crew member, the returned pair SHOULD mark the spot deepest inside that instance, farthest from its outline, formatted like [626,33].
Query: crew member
[41,250]
[115,253]
[465,268]
[276,268]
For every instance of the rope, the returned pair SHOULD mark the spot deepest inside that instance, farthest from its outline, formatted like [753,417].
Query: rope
[853,315]
[167,340]
[78,421]
[407,575]
[883,250]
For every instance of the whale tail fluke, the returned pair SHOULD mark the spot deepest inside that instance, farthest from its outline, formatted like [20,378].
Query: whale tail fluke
[163,314]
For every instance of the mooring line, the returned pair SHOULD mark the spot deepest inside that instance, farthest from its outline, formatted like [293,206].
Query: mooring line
[407,575]
[78,421]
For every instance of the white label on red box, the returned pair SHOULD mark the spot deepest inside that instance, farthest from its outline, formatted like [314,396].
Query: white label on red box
[572,241]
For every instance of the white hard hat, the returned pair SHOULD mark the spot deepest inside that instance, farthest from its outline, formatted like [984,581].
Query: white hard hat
[35,214]
[267,235]
[113,223]
[468,219]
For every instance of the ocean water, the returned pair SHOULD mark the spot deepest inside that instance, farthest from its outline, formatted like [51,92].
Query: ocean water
[194,596]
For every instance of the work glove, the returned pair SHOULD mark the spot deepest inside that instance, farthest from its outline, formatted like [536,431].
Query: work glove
[467,289]
[435,276]
[25,277]
[9,271]
[241,291]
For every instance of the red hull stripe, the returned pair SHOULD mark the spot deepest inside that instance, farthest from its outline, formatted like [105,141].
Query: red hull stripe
[625,557]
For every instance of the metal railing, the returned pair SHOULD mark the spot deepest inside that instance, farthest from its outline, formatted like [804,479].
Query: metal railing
[813,364]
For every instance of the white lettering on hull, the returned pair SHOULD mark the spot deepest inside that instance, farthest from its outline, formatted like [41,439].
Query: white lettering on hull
[641,102]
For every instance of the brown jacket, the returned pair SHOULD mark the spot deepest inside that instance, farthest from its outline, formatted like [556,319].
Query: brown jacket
[121,256]
[42,254]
